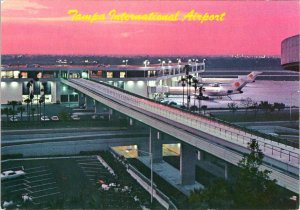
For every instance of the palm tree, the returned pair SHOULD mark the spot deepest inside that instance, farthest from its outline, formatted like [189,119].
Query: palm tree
[37,83]
[13,104]
[32,112]
[21,109]
[195,85]
[189,84]
[31,96]
[42,100]
[204,107]
[7,112]
[200,97]
[27,101]
[183,84]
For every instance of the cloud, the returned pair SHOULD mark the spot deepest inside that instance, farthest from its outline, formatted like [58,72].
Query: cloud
[38,19]
[127,34]
[21,5]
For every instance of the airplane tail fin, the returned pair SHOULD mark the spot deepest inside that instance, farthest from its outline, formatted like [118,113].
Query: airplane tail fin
[252,76]
[239,84]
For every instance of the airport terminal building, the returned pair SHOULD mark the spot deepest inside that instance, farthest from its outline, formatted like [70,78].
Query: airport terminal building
[140,80]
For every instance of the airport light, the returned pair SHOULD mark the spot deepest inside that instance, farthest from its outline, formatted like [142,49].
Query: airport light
[178,61]
[146,63]
[291,96]
[125,61]
[203,63]
[162,63]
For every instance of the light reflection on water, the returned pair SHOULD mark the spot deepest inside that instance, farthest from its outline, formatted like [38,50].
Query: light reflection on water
[261,90]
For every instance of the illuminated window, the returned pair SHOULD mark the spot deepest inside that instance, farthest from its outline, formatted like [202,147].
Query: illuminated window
[24,75]
[122,74]
[39,75]
[109,74]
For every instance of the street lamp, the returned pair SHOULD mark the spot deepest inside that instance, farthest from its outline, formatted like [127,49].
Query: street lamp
[125,61]
[146,63]
[179,61]
[151,167]
[291,95]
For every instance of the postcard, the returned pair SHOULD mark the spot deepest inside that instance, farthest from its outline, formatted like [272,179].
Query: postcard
[149,104]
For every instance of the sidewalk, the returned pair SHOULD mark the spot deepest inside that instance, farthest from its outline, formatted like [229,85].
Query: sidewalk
[171,175]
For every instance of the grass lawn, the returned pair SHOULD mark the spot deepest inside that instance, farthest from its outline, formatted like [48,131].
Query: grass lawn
[251,116]
[60,124]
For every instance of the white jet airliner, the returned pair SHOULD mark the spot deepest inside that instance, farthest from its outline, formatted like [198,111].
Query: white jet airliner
[221,90]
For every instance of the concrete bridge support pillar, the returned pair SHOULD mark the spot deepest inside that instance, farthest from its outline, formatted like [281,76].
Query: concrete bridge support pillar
[81,99]
[143,149]
[226,171]
[99,108]
[110,114]
[187,164]
[131,122]
[57,92]
[155,145]
[89,103]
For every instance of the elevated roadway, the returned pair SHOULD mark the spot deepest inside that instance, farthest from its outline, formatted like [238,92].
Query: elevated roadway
[222,140]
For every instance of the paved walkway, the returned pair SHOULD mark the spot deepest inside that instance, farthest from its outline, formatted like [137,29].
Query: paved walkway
[171,175]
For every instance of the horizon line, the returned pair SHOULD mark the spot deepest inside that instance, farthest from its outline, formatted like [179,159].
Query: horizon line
[144,55]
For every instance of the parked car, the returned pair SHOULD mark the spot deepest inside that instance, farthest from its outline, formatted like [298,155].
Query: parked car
[54,118]
[94,117]
[75,117]
[45,118]
[15,118]
[12,174]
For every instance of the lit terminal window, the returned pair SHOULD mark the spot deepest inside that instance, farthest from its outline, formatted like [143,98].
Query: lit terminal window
[122,74]
[39,75]
[109,74]
[24,75]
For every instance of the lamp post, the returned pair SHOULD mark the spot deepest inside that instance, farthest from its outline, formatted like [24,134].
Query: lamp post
[291,95]
[125,61]
[146,63]
[203,63]
[159,60]
[151,167]
[196,64]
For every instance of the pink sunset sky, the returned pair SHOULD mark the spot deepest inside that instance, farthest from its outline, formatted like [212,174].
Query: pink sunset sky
[249,28]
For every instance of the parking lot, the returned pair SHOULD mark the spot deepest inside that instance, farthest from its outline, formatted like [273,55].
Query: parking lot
[38,184]
[75,182]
